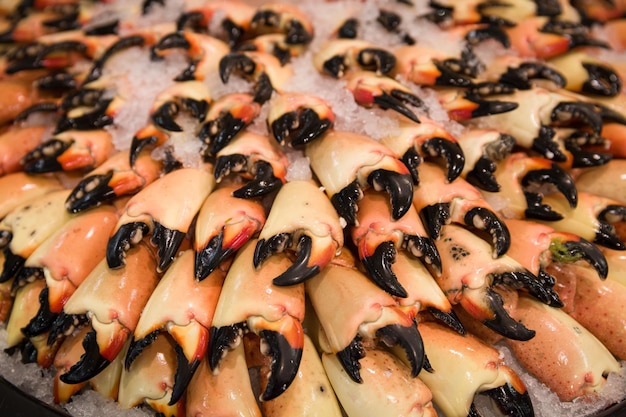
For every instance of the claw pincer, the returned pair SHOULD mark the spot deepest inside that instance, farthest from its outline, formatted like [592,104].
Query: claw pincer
[338,56]
[187,322]
[186,190]
[249,301]
[303,220]
[224,224]
[353,311]
[346,163]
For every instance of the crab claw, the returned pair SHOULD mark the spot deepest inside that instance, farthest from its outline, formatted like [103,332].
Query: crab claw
[283,18]
[87,109]
[379,238]
[69,150]
[370,90]
[439,203]
[469,105]
[223,225]
[188,324]
[337,56]
[426,66]
[297,119]
[187,188]
[113,179]
[114,301]
[277,319]
[520,76]
[585,74]
[424,140]
[259,67]
[148,135]
[592,115]
[303,219]
[553,175]
[255,157]
[375,318]
[227,117]
[361,161]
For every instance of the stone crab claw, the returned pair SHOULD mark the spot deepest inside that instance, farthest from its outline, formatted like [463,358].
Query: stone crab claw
[301,219]
[439,202]
[146,136]
[188,323]
[359,161]
[274,44]
[224,224]
[261,68]
[113,301]
[522,73]
[537,246]
[417,141]
[227,117]
[296,119]
[276,317]
[464,366]
[89,108]
[191,96]
[379,238]
[69,150]
[204,53]
[186,189]
[337,56]
[426,66]
[370,90]
[462,105]
[16,143]
[150,379]
[341,292]
[113,179]
[380,369]
[588,75]
[594,219]
[235,18]
[523,180]
[283,18]
[255,157]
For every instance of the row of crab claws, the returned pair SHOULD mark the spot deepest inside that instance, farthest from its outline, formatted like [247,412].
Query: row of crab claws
[90,364]
[407,338]
[299,127]
[556,176]
[606,234]
[398,186]
[283,355]
[300,270]
[589,114]
[263,87]
[263,183]
[502,323]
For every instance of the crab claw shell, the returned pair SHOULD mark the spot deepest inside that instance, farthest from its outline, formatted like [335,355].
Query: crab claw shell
[468,105]
[426,139]
[340,292]
[224,224]
[276,318]
[592,219]
[151,379]
[114,300]
[521,74]
[453,384]
[228,392]
[188,323]
[588,360]
[262,68]
[192,96]
[283,18]
[257,157]
[425,66]
[113,179]
[370,90]
[148,135]
[382,374]
[358,160]
[296,119]
[187,189]
[301,216]
[338,56]
[227,117]
[588,75]
[19,188]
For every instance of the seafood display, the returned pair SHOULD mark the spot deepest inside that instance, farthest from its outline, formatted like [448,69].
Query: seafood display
[338,208]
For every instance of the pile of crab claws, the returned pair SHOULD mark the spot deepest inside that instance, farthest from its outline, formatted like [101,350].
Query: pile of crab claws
[502,323]
[484,219]
[126,236]
[554,175]
[243,64]
[398,186]
[91,363]
[450,151]
[520,76]
[378,267]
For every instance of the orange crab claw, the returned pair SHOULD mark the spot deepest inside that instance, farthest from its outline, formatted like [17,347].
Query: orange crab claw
[283,18]
[15,143]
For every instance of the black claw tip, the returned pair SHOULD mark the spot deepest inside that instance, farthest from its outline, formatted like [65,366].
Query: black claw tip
[221,340]
[137,346]
[484,219]
[184,373]
[285,361]
[587,251]
[398,186]
[211,256]
[263,183]
[378,267]
[409,339]
[511,401]
[450,319]
[450,151]
[266,248]
[297,128]
[503,323]
[126,236]
[90,364]
[90,192]
[349,358]
[345,202]
[168,241]
[434,217]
